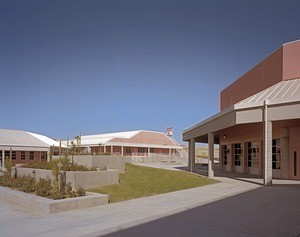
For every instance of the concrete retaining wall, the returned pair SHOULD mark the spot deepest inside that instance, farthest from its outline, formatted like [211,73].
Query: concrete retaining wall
[49,206]
[84,179]
[92,179]
[99,161]
[159,159]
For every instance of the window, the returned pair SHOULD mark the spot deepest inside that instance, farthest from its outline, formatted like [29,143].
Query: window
[276,156]
[7,154]
[31,155]
[14,155]
[238,154]
[252,154]
[128,150]
[151,150]
[141,150]
[226,154]
[43,155]
[23,155]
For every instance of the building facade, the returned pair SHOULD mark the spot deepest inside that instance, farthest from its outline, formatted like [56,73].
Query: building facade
[258,126]
[21,147]
[132,143]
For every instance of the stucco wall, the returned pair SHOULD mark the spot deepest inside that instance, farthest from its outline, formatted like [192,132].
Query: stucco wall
[291,59]
[100,161]
[262,76]
[84,179]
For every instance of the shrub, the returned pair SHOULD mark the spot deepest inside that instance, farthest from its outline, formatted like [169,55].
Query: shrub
[25,184]
[43,188]
[64,163]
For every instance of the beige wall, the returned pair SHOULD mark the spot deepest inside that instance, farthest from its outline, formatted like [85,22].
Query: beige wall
[289,133]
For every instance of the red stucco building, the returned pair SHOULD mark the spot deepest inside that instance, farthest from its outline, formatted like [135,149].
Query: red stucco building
[131,143]
[258,126]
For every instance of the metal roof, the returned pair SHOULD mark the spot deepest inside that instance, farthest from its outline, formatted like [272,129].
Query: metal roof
[10,137]
[87,140]
[19,138]
[127,135]
[47,140]
[282,92]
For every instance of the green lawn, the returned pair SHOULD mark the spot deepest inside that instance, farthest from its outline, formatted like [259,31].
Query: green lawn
[139,181]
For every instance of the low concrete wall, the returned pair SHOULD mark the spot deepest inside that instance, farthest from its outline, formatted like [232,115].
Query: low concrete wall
[99,161]
[159,159]
[84,179]
[49,206]
[92,179]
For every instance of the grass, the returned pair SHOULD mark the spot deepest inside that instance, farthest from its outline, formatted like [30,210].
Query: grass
[140,181]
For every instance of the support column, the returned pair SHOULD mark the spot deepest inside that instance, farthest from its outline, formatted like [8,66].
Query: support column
[104,151]
[3,158]
[245,158]
[267,147]
[210,167]
[111,150]
[170,152]
[122,150]
[191,157]
[148,151]
[285,153]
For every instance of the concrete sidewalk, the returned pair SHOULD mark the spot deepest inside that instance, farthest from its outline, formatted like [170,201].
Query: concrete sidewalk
[97,221]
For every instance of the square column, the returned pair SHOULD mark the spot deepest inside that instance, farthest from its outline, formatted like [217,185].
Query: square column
[3,158]
[210,167]
[267,172]
[191,156]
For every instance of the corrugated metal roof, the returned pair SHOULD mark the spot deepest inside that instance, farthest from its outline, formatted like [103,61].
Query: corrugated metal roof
[127,135]
[284,91]
[19,138]
[47,140]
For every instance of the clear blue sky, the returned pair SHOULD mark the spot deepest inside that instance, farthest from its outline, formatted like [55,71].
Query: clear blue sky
[118,65]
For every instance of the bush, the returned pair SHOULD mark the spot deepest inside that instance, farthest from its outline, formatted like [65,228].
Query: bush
[64,164]
[43,188]
[25,184]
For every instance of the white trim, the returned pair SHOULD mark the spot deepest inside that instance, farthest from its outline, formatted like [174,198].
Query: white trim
[23,148]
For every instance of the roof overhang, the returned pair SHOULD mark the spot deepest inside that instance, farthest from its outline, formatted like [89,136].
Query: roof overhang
[278,108]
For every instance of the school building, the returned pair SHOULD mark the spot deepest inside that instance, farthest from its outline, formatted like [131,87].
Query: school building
[131,143]
[22,147]
[258,126]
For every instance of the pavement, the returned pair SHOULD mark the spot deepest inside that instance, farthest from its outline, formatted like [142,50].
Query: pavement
[236,206]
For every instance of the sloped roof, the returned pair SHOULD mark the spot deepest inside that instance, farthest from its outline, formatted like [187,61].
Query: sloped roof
[19,138]
[10,137]
[47,140]
[282,92]
[277,95]
[115,137]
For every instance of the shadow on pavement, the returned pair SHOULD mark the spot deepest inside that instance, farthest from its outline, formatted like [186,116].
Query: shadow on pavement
[267,211]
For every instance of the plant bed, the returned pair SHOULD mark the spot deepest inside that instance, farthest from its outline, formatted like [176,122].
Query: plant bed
[49,206]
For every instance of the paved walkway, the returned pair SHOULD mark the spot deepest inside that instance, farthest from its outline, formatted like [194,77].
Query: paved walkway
[97,221]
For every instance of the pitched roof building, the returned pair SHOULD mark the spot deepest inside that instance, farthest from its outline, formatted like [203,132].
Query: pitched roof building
[258,126]
[129,143]
[21,146]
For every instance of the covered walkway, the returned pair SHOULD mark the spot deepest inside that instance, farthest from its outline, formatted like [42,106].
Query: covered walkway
[269,114]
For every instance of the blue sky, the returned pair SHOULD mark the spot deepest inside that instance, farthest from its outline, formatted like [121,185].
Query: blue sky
[118,65]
